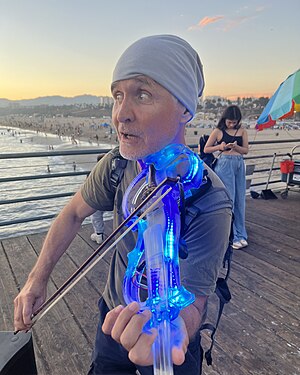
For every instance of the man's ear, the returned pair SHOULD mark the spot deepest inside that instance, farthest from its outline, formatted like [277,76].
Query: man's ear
[186,116]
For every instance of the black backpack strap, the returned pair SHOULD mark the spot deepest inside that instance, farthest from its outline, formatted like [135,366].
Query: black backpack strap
[222,289]
[223,292]
[224,295]
[190,211]
[228,255]
[118,166]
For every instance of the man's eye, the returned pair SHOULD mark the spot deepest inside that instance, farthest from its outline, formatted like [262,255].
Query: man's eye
[118,96]
[144,96]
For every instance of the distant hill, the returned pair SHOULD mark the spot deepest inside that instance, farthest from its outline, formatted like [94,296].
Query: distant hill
[4,103]
[52,101]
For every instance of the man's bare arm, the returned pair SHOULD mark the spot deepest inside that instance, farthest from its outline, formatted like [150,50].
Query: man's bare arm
[193,315]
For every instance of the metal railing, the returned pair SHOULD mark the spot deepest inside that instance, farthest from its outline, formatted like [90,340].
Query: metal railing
[27,197]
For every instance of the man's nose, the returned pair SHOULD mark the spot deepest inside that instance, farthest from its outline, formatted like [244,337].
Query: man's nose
[125,111]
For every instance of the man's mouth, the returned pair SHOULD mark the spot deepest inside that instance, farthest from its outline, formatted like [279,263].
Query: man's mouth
[127,135]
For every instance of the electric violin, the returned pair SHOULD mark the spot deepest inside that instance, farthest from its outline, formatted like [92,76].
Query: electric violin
[157,248]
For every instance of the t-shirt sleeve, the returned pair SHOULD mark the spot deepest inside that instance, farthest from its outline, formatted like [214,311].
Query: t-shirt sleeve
[97,191]
[207,241]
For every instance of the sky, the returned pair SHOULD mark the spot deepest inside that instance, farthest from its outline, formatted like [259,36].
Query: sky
[70,47]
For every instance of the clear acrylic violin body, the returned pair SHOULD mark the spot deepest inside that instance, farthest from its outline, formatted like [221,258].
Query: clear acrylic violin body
[157,246]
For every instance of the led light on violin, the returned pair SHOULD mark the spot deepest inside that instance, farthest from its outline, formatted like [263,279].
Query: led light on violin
[157,243]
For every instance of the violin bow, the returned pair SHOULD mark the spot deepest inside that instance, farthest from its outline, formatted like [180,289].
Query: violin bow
[91,262]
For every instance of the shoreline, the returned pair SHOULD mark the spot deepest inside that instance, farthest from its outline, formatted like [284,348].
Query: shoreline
[81,132]
[87,132]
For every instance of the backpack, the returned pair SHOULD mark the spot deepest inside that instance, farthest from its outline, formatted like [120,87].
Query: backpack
[209,159]
[188,212]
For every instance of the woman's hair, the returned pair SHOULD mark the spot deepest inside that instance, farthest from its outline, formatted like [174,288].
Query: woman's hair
[231,113]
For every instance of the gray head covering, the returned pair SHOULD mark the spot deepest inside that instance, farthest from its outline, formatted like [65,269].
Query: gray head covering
[168,60]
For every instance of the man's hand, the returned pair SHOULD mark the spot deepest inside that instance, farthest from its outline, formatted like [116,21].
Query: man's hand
[27,302]
[125,325]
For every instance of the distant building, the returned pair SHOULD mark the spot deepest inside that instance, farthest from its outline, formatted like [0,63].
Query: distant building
[217,99]
[105,100]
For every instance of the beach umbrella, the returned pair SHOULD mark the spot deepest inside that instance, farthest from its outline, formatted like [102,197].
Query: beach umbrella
[283,103]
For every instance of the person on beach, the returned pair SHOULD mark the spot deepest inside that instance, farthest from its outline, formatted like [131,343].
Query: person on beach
[156,84]
[231,140]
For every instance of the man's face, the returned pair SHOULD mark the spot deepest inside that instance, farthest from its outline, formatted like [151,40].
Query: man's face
[146,116]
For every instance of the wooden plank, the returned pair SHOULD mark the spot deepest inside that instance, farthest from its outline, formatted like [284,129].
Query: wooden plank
[287,209]
[11,289]
[66,345]
[283,248]
[264,288]
[8,290]
[78,252]
[253,346]
[286,227]
[82,299]
[244,336]
[272,273]
[280,215]
[222,364]
[277,320]
[264,311]
[233,339]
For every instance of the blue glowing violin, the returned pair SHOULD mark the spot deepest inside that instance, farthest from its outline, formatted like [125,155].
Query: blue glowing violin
[157,247]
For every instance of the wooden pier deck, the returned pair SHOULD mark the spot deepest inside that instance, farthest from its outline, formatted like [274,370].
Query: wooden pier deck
[259,330]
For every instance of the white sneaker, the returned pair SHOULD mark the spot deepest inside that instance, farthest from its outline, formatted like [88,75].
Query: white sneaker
[244,243]
[97,237]
[237,245]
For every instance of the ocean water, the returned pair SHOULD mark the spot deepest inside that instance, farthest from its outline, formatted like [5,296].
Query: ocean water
[18,140]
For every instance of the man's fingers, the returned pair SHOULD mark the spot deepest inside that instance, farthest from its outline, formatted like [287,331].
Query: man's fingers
[27,313]
[125,325]
[110,319]
[134,328]
[24,306]
[141,352]
[123,319]
[17,316]
[178,355]
[21,320]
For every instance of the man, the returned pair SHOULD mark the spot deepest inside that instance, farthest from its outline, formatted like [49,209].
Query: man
[156,84]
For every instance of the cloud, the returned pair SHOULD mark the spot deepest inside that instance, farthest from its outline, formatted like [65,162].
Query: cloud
[242,15]
[205,21]
[234,22]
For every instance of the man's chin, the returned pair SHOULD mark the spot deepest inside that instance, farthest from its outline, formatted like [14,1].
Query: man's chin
[130,154]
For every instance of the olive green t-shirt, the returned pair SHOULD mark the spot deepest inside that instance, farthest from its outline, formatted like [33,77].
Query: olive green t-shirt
[206,237]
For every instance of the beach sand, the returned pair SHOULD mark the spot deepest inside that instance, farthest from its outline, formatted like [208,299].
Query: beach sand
[88,132]
[72,131]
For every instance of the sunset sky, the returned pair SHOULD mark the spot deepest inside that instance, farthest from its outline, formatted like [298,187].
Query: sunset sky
[70,47]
